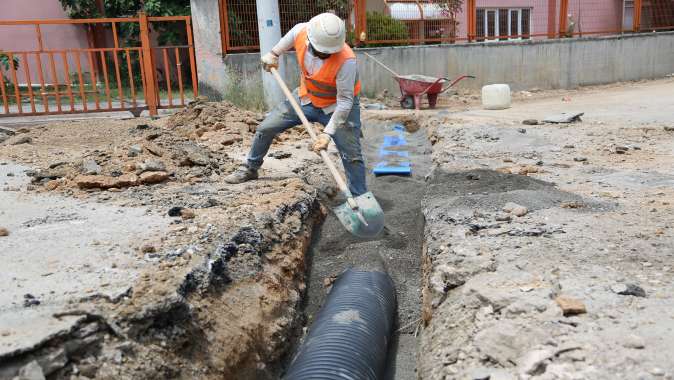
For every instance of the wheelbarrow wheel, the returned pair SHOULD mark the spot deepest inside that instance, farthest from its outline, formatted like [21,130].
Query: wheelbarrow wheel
[407,102]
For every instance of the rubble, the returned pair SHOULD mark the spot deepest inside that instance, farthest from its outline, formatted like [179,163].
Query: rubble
[21,140]
[628,290]
[90,167]
[105,182]
[570,306]
[634,341]
[515,209]
[149,178]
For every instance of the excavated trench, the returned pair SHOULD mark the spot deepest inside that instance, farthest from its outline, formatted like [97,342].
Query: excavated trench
[333,250]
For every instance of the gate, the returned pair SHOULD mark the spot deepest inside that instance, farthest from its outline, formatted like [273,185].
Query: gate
[148,76]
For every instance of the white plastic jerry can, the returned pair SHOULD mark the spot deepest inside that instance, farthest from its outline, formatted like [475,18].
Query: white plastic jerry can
[496,97]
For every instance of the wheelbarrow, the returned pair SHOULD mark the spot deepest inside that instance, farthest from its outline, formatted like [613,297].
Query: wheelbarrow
[413,87]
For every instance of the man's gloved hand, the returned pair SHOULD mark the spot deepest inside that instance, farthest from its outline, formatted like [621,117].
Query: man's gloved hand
[269,60]
[321,143]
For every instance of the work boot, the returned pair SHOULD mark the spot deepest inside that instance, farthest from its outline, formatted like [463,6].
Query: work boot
[242,174]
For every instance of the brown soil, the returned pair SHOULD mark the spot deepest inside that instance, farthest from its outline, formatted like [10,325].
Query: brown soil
[188,147]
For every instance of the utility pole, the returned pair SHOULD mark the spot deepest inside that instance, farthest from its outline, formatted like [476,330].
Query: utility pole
[269,25]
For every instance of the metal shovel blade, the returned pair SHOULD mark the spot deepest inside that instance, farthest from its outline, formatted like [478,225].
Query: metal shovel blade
[367,221]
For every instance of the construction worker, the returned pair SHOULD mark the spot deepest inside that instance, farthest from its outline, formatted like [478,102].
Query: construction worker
[328,94]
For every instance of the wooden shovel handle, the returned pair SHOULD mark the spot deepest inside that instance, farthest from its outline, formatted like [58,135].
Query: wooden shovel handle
[310,129]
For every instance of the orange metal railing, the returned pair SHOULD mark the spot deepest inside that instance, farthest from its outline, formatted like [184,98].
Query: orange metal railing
[401,22]
[98,79]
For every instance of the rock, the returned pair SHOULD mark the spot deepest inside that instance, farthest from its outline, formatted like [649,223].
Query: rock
[124,180]
[634,341]
[503,217]
[7,131]
[88,370]
[53,362]
[530,122]
[570,306]
[174,211]
[534,362]
[90,167]
[135,150]
[150,166]
[515,209]
[4,231]
[657,372]
[230,139]
[149,178]
[154,149]
[55,173]
[148,248]
[30,300]
[130,167]
[572,204]
[621,149]
[52,185]
[187,213]
[142,126]
[569,146]
[580,159]
[280,155]
[31,371]
[152,136]
[105,182]
[628,290]
[22,140]
[521,130]
[525,170]
[669,128]
[193,154]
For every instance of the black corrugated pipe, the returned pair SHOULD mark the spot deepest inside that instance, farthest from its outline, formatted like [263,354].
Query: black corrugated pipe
[350,336]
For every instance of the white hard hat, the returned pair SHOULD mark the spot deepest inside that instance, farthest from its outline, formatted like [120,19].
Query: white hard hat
[327,33]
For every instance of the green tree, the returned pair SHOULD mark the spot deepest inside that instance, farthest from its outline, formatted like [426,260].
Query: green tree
[169,32]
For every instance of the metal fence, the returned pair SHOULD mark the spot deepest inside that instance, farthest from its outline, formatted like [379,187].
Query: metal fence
[127,74]
[240,30]
[405,22]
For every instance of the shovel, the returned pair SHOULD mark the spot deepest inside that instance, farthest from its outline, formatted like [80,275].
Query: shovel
[362,216]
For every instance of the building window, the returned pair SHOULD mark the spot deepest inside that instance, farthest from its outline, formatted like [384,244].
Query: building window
[503,24]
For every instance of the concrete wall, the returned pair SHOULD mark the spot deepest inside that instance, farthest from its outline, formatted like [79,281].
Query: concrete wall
[564,63]
[546,64]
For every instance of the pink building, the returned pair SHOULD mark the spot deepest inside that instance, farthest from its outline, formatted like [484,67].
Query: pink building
[515,17]
[24,38]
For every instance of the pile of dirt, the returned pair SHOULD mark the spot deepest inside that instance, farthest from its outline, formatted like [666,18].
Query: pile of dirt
[221,123]
[190,146]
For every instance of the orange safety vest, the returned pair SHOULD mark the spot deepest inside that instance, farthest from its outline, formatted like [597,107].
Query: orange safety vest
[322,86]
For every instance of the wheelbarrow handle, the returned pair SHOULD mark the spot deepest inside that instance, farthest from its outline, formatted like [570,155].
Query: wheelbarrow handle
[433,84]
[455,81]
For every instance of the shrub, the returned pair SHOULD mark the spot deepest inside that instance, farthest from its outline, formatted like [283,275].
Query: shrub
[384,27]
